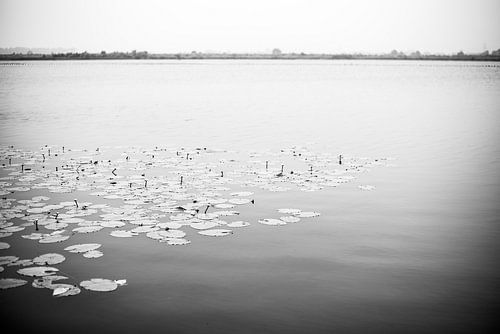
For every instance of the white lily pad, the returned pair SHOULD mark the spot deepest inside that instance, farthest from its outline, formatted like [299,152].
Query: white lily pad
[160,235]
[64,290]
[37,271]
[121,282]
[53,238]
[227,213]
[93,254]
[123,234]
[55,226]
[290,219]
[290,211]
[88,229]
[239,201]
[49,259]
[177,241]
[272,222]
[307,214]
[144,229]
[203,225]
[99,284]
[13,229]
[82,248]
[238,223]
[216,232]
[7,259]
[24,263]
[45,282]
[7,283]
[4,245]
[33,236]
[5,234]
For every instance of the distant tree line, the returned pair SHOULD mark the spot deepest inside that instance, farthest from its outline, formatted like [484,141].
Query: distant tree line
[275,54]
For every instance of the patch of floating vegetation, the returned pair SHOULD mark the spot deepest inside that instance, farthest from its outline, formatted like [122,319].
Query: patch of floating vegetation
[102,284]
[162,194]
[7,283]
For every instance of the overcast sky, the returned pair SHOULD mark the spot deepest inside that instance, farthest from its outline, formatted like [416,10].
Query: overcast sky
[252,25]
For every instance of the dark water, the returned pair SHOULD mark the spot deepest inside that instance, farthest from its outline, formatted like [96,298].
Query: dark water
[419,254]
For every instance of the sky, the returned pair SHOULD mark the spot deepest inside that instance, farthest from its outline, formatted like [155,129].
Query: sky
[369,26]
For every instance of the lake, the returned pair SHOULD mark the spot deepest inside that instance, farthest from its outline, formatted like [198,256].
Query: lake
[418,254]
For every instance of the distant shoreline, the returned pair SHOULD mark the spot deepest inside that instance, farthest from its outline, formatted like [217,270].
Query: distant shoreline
[233,56]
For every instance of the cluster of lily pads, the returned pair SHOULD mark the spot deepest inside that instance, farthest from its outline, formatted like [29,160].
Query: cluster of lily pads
[153,192]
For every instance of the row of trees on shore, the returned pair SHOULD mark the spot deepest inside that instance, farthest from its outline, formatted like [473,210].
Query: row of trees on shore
[276,54]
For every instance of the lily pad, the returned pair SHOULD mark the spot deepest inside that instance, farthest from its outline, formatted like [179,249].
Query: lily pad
[144,229]
[64,290]
[203,225]
[238,223]
[53,238]
[123,234]
[7,259]
[239,201]
[56,226]
[290,219]
[4,245]
[45,282]
[88,229]
[177,241]
[99,284]
[272,222]
[49,259]
[37,271]
[82,248]
[7,283]
[216,232]
[290,211]
[93,254]
[308,214]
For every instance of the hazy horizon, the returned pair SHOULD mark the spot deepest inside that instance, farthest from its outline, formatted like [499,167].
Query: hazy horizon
[255,27]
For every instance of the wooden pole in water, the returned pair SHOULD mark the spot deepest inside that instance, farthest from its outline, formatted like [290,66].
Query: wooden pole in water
[282,166]
[22,168]
[181,180]
[43,155]
[36,225]
[340,159]
[76,202]
[267,165]
[145,183]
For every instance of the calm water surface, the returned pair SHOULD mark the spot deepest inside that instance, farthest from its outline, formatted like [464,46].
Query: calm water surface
[419,254]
